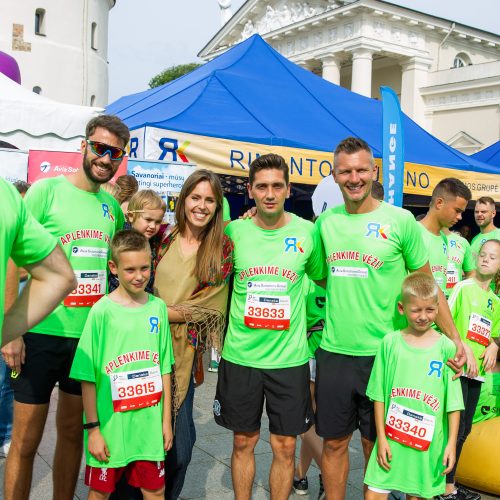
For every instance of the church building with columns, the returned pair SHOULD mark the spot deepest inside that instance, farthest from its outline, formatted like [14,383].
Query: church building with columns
[446,74]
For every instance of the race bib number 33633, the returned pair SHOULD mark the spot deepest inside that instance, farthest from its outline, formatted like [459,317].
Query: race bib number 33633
[265,311]
[136,389]
[409,427]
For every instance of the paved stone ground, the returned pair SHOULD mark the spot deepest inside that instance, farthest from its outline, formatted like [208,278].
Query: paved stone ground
[210,476]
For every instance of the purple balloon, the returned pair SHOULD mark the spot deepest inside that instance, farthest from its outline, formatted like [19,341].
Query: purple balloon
[9,67]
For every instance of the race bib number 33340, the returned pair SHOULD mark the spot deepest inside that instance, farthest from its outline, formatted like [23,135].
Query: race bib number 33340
[409,427]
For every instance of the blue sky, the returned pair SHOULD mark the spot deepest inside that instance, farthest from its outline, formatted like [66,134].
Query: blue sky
[148,36]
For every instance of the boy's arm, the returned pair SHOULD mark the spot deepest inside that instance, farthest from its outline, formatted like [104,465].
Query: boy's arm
[450,450]
[384,455]
[167,412]
[96,444]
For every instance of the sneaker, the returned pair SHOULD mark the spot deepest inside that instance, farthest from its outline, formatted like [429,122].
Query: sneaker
[466,494]
[4,449]
[450,496]
[301,486]
[213,366]
[321,494]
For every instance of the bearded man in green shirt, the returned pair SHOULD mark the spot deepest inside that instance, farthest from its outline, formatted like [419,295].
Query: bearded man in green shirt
[83,218]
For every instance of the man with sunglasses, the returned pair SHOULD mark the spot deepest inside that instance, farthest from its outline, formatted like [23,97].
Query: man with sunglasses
[84,219]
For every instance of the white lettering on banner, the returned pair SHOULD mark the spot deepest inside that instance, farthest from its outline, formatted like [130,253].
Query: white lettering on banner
[349,272]
[267,286]
[91,252]
[392,162]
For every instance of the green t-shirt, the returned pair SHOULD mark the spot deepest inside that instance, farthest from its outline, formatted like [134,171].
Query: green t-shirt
[21,237]
[479,239]
[127,348]
[488,405]
[419,383]
[475,312]
[84,224]
[459,260]
[368,256]
[226,211]
[267,320]
[316,314]
[437,252]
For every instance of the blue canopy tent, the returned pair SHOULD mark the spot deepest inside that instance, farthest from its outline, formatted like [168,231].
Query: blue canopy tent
[252,100]
[490,155]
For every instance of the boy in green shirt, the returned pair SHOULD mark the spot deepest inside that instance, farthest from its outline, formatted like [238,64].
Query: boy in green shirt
[124,359]
[476,311]
[417,402]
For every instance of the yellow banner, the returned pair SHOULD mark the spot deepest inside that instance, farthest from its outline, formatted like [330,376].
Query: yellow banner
[307,166]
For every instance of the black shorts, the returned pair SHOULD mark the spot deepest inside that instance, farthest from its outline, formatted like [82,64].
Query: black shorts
[341,402]
[239,398]
[48,360]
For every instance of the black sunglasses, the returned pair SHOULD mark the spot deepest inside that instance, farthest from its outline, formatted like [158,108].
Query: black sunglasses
[100,149]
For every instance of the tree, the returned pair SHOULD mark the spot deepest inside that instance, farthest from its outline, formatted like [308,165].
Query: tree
[172,73]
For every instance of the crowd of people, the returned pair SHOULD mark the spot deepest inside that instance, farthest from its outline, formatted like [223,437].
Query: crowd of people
[366,319]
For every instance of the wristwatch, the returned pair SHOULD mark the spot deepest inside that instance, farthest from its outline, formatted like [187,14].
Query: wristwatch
[91,425]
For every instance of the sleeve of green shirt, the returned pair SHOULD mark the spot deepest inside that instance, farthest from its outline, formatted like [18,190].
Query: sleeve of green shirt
[33,243]
[454,302]
[375,388]
[316,264]
[412,244]
[166,350]
[495,330]
[468,263]
[38,198]
[83,362]
[454,397]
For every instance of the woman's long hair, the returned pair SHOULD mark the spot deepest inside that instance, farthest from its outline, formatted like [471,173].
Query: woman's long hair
[209,256]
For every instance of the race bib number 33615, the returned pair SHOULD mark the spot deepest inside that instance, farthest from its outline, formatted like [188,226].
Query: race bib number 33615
[136,389]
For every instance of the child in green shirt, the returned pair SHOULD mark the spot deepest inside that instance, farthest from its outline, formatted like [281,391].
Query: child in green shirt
[417,402]
[124,359]
[476,312]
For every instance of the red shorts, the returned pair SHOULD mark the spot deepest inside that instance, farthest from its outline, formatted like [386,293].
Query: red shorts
[140,474]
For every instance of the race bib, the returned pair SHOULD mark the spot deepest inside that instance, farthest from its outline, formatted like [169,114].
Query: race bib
[479,329]
[451,275]
[409,427]
[91,287]
[265,311]
[136,389]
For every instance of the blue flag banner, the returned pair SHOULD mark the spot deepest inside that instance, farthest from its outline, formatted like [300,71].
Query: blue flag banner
[393,148]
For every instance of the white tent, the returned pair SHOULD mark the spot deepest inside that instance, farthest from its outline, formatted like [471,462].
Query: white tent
[31,121]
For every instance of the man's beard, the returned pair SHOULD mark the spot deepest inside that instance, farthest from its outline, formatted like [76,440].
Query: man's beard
[87,168]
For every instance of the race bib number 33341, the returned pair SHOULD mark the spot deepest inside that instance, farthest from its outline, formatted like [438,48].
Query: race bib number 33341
[91,287]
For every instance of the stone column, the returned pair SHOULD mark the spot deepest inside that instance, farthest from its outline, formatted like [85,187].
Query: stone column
[331,69]
[414,77]
[362,71]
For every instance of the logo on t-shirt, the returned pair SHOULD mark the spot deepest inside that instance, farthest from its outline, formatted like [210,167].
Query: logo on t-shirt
[106,212]
[154,323]
[377,230]
[292,244]
[436,368]
[216,408]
